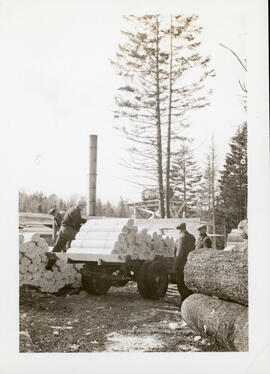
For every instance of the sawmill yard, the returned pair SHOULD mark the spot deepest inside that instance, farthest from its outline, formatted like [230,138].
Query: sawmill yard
[116,300]
[120,321]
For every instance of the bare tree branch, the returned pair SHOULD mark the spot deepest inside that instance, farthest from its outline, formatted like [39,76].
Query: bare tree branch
[243,86]
[238,58]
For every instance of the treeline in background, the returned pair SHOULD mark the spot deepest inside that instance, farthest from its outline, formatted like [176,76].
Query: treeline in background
[216,195]
[37,202]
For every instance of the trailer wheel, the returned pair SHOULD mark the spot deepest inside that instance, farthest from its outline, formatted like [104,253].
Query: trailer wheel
[95,285]
[157,279]
[142,283]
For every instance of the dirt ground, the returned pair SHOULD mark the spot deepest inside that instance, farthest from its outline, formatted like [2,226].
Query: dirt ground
[120,321]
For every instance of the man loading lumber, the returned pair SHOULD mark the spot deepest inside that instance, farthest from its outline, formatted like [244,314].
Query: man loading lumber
[70,225]
[186,244]
[57,220]
[203,240]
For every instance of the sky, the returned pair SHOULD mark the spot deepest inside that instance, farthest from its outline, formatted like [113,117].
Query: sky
[59,88]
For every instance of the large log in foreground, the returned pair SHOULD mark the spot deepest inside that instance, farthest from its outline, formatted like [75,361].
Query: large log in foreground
[224,321]
[219,273]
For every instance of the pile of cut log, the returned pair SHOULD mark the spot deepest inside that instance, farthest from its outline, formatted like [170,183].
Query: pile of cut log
[33,260]
[219,305]
[121,237]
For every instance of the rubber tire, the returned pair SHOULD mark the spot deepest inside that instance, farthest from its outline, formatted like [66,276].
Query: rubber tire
[142,283]
[157,279]
[95,286]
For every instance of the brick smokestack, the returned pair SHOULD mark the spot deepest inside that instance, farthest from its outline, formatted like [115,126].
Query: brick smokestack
[92,176]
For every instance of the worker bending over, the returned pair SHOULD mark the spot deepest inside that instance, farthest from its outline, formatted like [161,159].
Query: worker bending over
[70,225]
[57,220]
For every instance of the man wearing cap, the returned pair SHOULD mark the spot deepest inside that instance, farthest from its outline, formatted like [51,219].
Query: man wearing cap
[186,244]
[203,240]
[57,219]
[70,225]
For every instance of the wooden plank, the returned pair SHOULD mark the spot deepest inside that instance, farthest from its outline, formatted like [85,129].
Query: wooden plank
[83,256]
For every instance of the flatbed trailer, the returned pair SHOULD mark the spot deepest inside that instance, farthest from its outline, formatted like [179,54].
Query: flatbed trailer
[101,271]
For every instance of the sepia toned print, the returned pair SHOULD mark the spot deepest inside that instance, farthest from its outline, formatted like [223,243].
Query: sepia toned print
[133,218]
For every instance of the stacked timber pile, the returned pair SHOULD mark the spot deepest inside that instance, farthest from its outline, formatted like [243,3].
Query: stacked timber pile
[219,305]
[243,228]
[121,237]
[237,239]
[33,260]
[168,226]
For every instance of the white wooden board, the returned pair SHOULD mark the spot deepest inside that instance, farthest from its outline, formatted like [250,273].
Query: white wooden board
[81,254]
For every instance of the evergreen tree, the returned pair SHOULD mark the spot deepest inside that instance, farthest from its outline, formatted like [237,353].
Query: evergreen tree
[100,211]
[185,177]
[141,63]
[109,210]
[205,192]
[233,182]
[208,192]
[122,210]
[153,63]
[183,94]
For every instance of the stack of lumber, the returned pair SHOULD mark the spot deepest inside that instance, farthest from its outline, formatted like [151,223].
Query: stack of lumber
[219,305]
[234,240]
[243,228]
[33,260]
[168,226]
[121,237]
[32,219]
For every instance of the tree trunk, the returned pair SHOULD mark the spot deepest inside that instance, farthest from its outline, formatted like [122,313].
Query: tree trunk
[209,192]
[224,321]
[159,143]
[219,273]
[168,171]
[213,193]
[185,190]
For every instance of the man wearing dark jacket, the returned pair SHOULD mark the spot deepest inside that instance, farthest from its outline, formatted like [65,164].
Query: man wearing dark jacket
[186,244]
[70,225]
[203,240]
[57,220]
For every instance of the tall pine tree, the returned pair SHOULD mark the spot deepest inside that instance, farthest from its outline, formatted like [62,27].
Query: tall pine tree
[184,94]
[233,182]
[156,92]
[185,177]
[140,100]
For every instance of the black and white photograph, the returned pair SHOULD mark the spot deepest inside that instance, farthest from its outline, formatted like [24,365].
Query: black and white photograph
[135,165]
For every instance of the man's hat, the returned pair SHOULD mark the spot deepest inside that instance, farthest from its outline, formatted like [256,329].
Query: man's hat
[52,211]
[202,227]
[182,226]
[81,202]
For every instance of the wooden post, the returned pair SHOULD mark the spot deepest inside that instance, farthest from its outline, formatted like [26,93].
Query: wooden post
[92,176]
